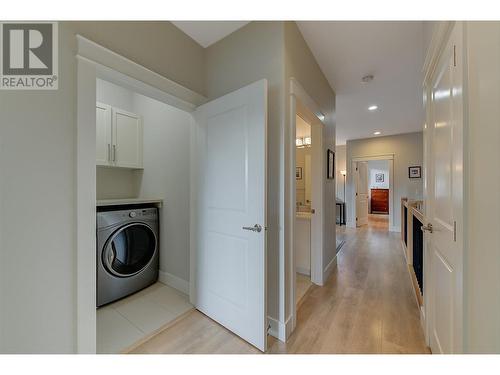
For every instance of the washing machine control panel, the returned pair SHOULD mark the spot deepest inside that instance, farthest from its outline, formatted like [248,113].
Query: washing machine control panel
[107,218]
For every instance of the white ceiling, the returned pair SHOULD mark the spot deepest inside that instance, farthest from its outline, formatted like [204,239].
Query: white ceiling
[392,52]
[206,33]
[346,51]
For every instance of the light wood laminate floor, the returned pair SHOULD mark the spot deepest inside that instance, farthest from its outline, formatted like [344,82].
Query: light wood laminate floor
[366,306]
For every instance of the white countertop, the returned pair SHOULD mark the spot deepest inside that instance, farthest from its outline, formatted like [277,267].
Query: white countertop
[125,201]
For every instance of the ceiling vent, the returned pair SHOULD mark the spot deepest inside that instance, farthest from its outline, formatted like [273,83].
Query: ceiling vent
[367,78]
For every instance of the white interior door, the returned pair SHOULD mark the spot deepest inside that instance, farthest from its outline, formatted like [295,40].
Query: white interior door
[361,179]
[230,265]
[444,203]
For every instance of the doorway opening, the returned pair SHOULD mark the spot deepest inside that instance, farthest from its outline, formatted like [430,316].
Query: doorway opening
[372,196]
[308,202]
[304,201]
[142,153]
[378,194]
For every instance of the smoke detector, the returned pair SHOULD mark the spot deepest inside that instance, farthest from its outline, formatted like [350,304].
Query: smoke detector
[367,78]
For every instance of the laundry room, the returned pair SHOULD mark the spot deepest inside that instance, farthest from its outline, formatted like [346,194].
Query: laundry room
[143,195]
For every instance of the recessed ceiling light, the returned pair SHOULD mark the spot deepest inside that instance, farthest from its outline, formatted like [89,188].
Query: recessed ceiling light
[377,133]
[373,107]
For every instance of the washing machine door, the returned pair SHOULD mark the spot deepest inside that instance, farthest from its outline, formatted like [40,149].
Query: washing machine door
[129,250]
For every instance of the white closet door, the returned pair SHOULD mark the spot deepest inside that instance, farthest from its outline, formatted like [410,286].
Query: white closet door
[127,139]
[103,134]
[230,266]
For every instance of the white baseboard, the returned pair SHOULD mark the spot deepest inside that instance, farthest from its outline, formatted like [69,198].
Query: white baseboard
[303,271]
[174,281]
[394,229]
[404,251]
[329,268]
[279,329]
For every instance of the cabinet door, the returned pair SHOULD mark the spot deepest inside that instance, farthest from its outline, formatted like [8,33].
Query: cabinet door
[103,134]
[127,139]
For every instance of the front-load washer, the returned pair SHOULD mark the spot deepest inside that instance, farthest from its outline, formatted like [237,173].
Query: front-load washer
[127,252]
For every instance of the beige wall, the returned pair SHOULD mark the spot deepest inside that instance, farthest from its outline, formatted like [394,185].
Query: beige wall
[37,215]
[482,176]
[407,150]
[159,46]
[340,155]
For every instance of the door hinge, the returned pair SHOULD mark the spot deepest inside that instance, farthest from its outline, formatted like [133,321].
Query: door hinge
[454,55]
[455,231]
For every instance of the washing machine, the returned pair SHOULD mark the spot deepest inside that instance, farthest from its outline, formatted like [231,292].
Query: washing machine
[127,251]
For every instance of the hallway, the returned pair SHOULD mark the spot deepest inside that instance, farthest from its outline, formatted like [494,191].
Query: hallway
[367,306]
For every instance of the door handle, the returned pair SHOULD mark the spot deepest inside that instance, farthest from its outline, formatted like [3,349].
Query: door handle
[256,228]
[427,228]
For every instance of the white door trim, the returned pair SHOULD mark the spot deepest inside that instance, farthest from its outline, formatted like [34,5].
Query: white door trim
[351,221]
[115,66]
[300,102]
[95,61]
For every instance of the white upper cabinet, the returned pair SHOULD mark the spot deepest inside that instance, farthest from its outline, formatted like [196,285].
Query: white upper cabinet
[127,139]
[103,134]
[119,137]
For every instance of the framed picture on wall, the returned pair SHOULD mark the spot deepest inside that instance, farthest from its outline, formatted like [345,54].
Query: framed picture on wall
[379,177]
[298,173]
[414,172]
[330,157]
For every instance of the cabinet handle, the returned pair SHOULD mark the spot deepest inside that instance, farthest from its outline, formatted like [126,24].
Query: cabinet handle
[114,152]
[109,152]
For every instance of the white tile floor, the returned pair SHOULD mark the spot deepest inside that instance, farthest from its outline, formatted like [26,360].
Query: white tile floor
[122,323]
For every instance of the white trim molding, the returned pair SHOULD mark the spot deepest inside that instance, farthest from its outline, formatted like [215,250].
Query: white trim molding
[117,66]
[298,91]
[329,268]
[280,330]
[439,38]
[374,157]
[351,222]
[173,281]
